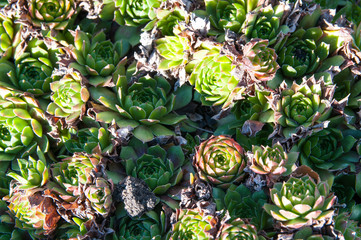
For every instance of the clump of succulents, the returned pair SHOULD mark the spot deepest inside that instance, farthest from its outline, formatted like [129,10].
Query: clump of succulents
[300,201]
[220,160]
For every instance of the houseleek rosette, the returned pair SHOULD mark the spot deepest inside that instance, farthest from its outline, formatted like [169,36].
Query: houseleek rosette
[34,68]
[260,60]
[167,19]
[56,14]
[96,56]
[174,51]
[228,14]
[149,226]
[22,125]
[160,169]
[32,211]
[99,194]
[69,96]
[240,202]
[33,173]
[194,224]
[265,24]
[145,105]
[303,105]
[300,201]
[328,149]
[212,78]
[272,160]
[220,160]
[237,229]
[302,52]
[130,12]
[72,173]
[10,35]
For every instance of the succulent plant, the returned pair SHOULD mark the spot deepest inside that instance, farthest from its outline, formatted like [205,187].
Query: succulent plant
[72,173]
[265,24]
[194,224]
[220,160]
[10,34]
[260,60]
[159,168]
[212,78]
[69,96]
[32,211]
[146,106]
[328,149]
[33,173]
[238,229]
[54,14]
[272,160]
[150,226]
[303,105]
[96,56]
[300,201]
[303,52]
[240,202]
[34,67]
[22,125]
[99,194]
[228,14]
[174,50]
[130,12]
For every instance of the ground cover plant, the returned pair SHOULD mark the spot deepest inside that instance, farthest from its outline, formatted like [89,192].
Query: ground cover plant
[180,119]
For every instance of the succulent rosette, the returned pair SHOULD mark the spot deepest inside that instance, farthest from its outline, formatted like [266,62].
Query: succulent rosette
[212,77]
[303,52]
[150,226]
[260,60]
[145,105]
[303,105]
[34,68]
[72,173]
[167,19]
[228,14]
[10,35]
[240,202]
[56,14]
[159,168]
[237,229]
[33,173]
[300,201]
[328,149]
[22,125]
[220,160]
[130,12]
[266,23]
[272,160]
[174,50]
[32,211]
[96,56]
[99,194]
[69,96]
[194,224]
